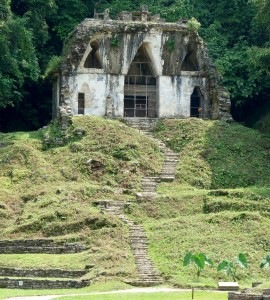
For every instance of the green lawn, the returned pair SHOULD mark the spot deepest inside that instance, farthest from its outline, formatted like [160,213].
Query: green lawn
[153,296]
[95,287]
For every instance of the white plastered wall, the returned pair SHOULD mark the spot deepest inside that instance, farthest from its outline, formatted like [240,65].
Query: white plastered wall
[96,88]
[169,96]
[187,86]
[175,93]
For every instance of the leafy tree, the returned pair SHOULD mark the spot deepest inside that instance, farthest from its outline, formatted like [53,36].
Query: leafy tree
[200,260]
[5,11]
[71,12]
[231,267]
[18,61]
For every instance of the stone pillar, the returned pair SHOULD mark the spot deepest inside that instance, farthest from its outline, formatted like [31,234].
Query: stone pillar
[144,8]
[144,17]
[106,14]
[144,11]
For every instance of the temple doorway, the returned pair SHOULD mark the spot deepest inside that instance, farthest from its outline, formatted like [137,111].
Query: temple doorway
[140,88]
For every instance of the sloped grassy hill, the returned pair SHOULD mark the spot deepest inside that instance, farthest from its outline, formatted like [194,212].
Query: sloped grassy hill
[219,203]
[50,191]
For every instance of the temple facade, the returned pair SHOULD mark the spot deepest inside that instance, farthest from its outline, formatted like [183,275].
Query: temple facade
[138,66]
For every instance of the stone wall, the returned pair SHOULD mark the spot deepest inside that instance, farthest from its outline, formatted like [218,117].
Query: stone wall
[42,284]
[52,273]
[39,246]
[244,296]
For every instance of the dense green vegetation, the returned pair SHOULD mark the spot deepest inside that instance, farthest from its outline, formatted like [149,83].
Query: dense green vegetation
[218,204]
[32,34]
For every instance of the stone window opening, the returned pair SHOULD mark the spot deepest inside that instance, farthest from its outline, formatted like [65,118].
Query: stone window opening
[196,101]
[81,103]
[93,60]
[190,63]
[140,87]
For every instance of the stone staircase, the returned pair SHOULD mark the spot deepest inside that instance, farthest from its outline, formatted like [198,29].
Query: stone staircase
[148,275]
[149,184]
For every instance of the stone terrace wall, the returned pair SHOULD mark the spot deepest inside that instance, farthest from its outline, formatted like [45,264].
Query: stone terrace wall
[38,246]
[243,296]
[52,273]
[41,284]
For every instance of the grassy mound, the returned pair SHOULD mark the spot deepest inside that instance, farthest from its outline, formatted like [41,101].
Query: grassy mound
[185,218]
[50,191]
[218,204]
[216,154]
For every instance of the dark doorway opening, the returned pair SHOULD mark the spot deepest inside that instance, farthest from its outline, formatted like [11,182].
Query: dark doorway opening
[196,103]
[136,106]
[81,103]
[140,88]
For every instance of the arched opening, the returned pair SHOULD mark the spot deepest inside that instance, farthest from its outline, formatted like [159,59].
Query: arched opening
[140,87]
[196,100]
[93,60]
[190,63]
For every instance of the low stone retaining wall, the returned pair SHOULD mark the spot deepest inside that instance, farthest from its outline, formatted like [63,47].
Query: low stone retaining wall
[39,246]
[243,296]
[51,273]
[41,284]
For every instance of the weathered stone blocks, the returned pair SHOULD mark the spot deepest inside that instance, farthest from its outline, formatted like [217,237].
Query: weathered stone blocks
[41,284]
[50,273]
[39,246]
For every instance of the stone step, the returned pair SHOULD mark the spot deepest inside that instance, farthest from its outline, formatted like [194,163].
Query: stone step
[145,283]
[146,195]
[146,269]
[149,185]
[151,178]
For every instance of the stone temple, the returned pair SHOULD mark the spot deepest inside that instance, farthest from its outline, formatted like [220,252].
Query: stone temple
[138,66]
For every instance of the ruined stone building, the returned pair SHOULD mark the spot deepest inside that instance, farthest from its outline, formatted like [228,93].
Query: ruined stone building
[138,66]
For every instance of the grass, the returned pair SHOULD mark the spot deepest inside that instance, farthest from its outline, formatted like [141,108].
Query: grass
[75,261]
[49,192]
[218,204]
[96,287]
[216,154]
[199,295]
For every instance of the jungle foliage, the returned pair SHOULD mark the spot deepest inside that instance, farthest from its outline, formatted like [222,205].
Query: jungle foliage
[33,31]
